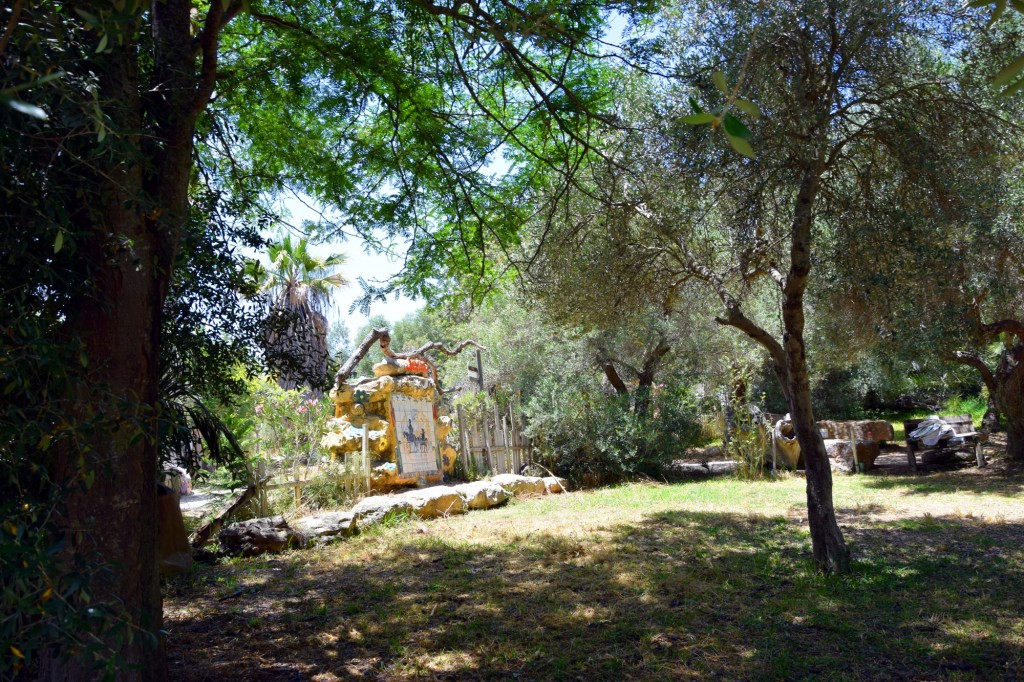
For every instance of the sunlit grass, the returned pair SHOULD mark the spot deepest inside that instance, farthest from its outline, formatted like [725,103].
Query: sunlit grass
[641,581]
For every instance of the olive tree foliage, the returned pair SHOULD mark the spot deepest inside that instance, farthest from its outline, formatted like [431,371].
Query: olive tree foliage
[839,86]
[924,268]
[115,116]
[581,425]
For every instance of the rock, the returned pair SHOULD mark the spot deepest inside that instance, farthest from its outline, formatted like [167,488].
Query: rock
[704,469]
[448,459]
[787,453]
[258,536]
[840,454]
[443,426]
[877,430]
[365,392]
[345,435]
[415,387]
[375,509]
[327,525]
[482,494]
[440,500]
[515,484]
[554,484]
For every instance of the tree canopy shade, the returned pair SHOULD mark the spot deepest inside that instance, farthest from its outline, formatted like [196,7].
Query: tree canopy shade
[844,88]
[388,112]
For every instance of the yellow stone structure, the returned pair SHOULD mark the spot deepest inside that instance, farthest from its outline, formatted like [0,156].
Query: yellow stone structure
[405,423]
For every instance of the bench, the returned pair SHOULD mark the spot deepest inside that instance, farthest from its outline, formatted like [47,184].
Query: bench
[966,439]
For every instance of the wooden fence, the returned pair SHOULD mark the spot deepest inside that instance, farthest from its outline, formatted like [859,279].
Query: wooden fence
[492,442]
[712,427]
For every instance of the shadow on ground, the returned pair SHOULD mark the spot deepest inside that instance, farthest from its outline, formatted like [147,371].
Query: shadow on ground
[681,595]
[949,479]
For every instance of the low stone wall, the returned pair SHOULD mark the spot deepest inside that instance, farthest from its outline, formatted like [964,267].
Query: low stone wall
[273,535]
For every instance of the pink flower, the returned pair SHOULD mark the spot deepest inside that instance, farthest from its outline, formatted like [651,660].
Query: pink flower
[302,409]
[259,408]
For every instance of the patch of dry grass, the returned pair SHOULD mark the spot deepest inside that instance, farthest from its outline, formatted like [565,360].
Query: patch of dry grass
[700,580]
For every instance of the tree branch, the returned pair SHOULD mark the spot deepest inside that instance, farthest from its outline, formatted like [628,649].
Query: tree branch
[438,346]
[12,23]
[972,359]
[613,378]
[1014,327]
[216,18]
[382,335]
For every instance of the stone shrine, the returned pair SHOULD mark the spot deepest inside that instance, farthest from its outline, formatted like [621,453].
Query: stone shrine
[406,426]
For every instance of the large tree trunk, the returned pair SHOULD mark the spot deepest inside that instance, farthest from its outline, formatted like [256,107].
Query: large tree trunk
[645,378]
[109,514]
[129,245]
[1009,398]
[1005,385]
[829,549]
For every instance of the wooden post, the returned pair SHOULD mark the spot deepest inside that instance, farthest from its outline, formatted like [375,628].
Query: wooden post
[516,456]
[488,463]
[365,460]
[479,371]
[497,432]
[261,488]
[467,453]
[853,446]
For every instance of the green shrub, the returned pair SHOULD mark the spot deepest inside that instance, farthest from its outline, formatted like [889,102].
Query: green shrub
[584,434]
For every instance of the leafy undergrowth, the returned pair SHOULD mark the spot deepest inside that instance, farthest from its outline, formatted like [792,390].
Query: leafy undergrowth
[674,582]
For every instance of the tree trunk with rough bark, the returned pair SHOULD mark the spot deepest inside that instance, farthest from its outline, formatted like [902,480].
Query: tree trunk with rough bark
[129,244]
[827,543]
[1005,384]
[1009,398]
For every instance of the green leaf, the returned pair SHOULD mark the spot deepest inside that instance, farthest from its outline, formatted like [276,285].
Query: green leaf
[103,43]
[997,12]
[90,18]
[58,243]
[31,84]
[718,78]
[24,107]
[699,119]
[735,127]
[695,106]
[1014,88]
[1005,76]
[748,108]
[741,146]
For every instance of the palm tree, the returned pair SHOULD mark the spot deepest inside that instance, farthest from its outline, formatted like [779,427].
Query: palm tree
[299,289]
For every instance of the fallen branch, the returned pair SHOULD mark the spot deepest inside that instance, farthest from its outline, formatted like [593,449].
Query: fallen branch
[212,527]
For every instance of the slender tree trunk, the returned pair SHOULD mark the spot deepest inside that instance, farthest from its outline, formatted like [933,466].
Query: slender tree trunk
[645,378]
[829,549]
